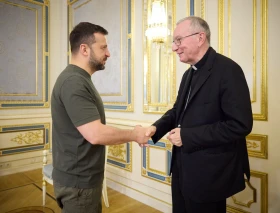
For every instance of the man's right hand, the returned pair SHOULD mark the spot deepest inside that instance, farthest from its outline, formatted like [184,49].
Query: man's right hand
[139,134]
[142,134]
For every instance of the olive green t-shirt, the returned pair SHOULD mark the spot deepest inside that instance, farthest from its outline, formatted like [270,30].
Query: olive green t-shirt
[74,102]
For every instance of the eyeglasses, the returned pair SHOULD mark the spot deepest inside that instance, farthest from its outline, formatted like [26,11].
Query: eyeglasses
[177,41]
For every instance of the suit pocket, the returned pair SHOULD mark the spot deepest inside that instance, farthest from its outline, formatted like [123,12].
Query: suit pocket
[208,170]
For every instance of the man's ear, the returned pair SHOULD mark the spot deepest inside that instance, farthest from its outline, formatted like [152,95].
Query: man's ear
[84,50]
[201,38]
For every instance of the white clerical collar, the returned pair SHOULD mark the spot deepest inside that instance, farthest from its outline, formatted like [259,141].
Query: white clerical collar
[194,67]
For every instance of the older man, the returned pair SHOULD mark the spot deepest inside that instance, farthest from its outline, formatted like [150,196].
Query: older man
[207,124]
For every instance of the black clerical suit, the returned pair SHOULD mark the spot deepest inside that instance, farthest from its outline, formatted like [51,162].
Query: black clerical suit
[213,110]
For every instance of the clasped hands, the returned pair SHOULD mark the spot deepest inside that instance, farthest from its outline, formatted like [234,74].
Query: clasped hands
[144,133]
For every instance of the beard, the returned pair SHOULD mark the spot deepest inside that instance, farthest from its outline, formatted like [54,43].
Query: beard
[94,63]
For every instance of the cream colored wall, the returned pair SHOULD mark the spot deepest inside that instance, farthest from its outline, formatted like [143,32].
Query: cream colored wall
[133,183]
[265,172]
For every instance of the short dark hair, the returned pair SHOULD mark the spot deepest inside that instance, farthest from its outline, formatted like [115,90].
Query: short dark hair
[83,33]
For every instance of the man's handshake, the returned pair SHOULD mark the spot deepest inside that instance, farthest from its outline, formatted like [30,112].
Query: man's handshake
[141,134]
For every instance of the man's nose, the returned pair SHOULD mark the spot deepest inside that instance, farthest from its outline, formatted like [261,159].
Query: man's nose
[174,47]
[108,54]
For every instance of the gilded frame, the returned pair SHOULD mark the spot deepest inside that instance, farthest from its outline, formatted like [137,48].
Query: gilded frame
[146,171]
[249,203]
[263,194]
[14,102]
[196,7]
[192,10]
[120,106]
[262,144]
[262,116]
[45,127]
[149,105]
[117,151]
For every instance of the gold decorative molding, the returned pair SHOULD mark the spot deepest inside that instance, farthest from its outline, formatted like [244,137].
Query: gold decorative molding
[202,9]
[120,156]
[144,171]
[221,26]
[264,189]
[168,96]
[46,2]
[154,174]
[169,147]
[118,151]
[229,28]
[168,180]
[121,55]
[199,8]
[126,105]
[252,144]
[263,96]
[257,145]
[188,8]
[34,137]
[254,89]
[262,193]
[128,167]
[254,95]
[263,114]
[248,203]
[82,4]
[231,209]
[32,100]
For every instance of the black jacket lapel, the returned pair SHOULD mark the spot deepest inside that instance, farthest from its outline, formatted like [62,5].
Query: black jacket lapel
[181,104]
[204,73]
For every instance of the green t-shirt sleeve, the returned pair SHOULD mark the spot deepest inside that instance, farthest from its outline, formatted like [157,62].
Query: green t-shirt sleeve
[78,102]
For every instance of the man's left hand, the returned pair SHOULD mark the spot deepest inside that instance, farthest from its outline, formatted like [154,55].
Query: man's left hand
[175,137]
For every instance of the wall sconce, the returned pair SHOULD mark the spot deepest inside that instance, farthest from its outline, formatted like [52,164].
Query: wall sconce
[157,30]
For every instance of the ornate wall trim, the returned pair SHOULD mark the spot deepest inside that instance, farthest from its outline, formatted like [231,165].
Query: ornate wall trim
[262,98]
[17,139]
[257,145]
[165,65]
[121,156]
[25,84]
[261,198]
[121,100]
[155,174]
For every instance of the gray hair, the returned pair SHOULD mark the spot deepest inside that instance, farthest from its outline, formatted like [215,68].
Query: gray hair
[198,24]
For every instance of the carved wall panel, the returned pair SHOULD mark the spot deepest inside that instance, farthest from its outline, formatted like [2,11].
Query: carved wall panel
[120,156]
[115,83]
[24,66]
[17,139]
[150,166]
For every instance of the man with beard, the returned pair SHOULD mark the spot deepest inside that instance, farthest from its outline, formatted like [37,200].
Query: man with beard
[79,131]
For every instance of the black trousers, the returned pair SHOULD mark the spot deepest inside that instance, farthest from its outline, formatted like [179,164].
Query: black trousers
[182,204]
